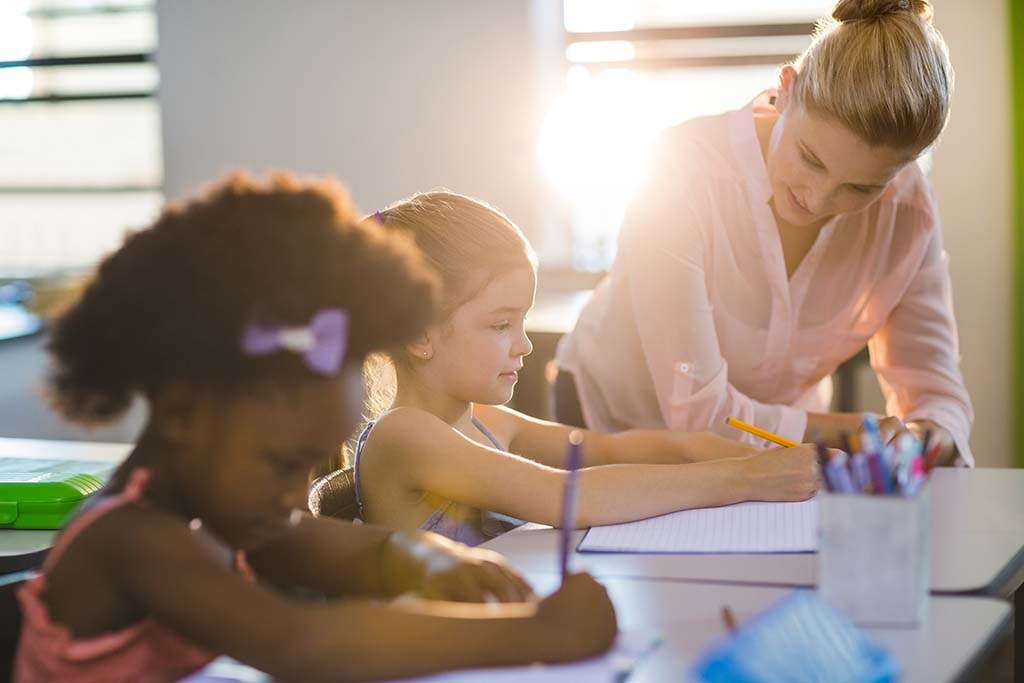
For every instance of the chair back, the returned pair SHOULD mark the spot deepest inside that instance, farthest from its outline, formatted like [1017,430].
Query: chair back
[334,495]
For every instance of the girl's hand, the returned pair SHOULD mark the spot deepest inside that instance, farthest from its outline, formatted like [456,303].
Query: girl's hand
[577,620]
[473,575]
[783,474]
[436,568]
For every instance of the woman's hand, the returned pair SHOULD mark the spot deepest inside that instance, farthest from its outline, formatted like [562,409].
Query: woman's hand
[436,568]
[783,474]
[889,428]
[939,435]
[830,427]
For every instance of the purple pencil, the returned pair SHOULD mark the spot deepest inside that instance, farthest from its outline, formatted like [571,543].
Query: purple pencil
[574,459]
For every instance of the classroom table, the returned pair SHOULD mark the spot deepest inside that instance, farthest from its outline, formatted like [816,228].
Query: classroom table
[977,544]
[959,630]
[25,548]
[951,645]
[977,548]
[957,636]
[977,535]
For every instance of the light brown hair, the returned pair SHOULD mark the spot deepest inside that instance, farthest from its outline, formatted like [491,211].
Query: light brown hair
[468,243]
[879,68]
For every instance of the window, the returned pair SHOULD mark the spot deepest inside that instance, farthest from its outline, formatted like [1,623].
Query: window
[634,68]
[80,154]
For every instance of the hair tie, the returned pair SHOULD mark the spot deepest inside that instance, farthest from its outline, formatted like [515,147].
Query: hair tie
[322,343]
[377,217]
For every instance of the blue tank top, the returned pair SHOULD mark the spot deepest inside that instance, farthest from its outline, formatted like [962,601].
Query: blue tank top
[459,522]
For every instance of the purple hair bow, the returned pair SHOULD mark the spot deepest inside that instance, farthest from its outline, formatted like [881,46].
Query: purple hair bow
[322,343]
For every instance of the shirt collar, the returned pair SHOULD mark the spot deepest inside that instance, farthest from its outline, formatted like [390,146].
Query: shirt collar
[747,148]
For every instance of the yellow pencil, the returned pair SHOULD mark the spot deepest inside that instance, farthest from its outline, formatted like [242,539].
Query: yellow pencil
[767,436]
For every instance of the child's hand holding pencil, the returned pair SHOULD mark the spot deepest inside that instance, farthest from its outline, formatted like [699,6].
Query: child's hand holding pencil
[580,614]
[578,620]
[783,474]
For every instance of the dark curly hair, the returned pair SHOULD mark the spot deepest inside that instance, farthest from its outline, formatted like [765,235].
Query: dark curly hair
[173,301]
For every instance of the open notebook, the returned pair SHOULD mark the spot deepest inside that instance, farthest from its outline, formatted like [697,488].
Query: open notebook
[613,667]
[740,528]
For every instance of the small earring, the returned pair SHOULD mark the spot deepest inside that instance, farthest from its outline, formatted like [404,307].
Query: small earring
[425,353]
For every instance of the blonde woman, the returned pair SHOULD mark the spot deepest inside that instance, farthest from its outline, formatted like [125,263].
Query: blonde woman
[774,241]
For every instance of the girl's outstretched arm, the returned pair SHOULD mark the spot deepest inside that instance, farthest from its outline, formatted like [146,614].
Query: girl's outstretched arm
[339,558]
[172,575]
[545,441]
[415,450]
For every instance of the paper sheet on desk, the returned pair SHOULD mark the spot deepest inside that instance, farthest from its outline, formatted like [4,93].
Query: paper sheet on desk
[227,670]
[613,667]
[740,528]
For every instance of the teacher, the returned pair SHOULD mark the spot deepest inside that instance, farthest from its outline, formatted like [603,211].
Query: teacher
[771,243]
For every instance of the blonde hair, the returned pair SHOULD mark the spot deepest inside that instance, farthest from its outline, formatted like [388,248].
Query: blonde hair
[879,68]
[468,243]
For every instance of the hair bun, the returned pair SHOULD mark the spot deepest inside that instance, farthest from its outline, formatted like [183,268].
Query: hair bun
[853,10]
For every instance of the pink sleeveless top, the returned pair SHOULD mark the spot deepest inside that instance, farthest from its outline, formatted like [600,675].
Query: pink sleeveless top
[145,652]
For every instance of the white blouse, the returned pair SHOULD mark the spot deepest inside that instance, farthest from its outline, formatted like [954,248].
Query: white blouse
[697,320]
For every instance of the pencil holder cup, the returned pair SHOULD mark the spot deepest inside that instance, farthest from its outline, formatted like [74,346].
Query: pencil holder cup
[873,557]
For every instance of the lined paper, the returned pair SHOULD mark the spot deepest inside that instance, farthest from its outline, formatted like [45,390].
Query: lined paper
[612,667]
[740,528]
[615,666]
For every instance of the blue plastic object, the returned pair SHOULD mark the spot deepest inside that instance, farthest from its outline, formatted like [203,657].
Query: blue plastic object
[799,639]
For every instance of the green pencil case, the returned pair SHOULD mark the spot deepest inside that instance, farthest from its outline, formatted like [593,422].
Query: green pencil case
[42,501]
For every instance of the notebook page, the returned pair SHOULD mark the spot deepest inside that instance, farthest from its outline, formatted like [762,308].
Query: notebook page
[612,667]
[740,528]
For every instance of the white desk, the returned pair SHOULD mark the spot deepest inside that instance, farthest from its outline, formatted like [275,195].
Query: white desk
[977,534]
[977,531]
[23,548]
[958,635]
[959,632]
[977,544]
[977,539]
